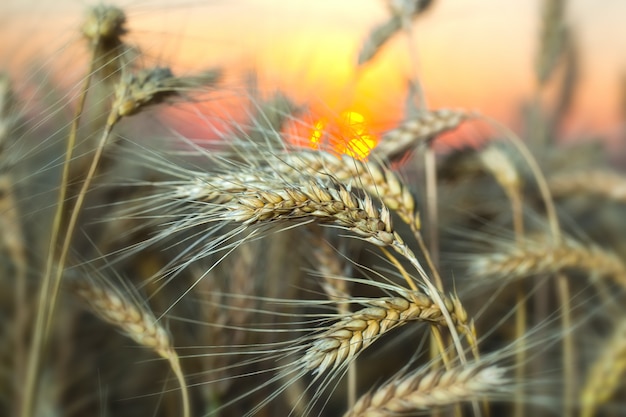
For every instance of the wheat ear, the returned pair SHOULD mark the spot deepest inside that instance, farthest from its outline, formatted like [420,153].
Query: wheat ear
[331,268]
[137,322]
[552,39]
[330,203]
[375,179]
[606,372]
[419,130]
[342,341]
[606,184]
[540,256]
[430,389]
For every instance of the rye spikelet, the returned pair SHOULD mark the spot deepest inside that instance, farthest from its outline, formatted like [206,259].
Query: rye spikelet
[430,389]
[419,130]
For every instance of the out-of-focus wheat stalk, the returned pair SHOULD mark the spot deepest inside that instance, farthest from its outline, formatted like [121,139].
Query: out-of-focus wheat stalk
[602,183]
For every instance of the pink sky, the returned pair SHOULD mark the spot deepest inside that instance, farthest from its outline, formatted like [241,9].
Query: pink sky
[472,54]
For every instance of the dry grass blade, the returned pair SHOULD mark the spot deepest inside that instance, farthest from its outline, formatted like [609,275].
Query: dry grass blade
[430,389]
[419,130]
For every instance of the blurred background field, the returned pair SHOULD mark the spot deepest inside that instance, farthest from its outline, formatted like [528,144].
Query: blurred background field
[473,55]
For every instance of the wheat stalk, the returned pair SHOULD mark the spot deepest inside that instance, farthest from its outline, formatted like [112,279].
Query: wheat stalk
[497,162]
[330,267]
[325,203]
[102,28]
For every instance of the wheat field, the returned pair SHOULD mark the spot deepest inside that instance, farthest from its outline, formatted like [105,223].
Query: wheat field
[257,271]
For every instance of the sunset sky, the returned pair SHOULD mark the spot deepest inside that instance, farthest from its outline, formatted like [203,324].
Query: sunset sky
[471,54]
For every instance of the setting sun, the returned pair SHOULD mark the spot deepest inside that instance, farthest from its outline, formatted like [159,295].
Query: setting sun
[347,134]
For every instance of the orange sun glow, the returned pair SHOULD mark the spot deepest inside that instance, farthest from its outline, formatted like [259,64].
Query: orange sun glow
[348,134]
